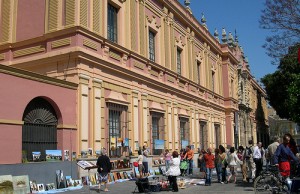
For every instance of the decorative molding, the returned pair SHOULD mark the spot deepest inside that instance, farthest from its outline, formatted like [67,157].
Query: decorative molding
[171,79]
[193,89]
[28,51]
[62,126]
[61,42]
[154,73]
[180,84]
[2,56]
[179,41]
[139,65]
[115,55]
[11,122]
[154,20]
[90,44]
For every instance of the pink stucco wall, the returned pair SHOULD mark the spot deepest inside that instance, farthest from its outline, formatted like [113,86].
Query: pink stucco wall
[15,95]
[229,140]
[10,144]
[27,10]
[17,92]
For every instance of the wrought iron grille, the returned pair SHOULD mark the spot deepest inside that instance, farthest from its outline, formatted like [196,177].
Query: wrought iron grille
[112,31]
[157,132]
[118,130]
[39,132]
[218,135]
[203,135]
[184,131]
[179,61]
[151,46]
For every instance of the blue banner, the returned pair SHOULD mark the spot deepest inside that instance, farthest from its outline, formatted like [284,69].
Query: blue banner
[184,143]
[126,142]
[159,144]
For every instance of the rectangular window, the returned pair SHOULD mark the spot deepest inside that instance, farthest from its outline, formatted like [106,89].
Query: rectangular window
[151,46]
[203,134]
[184,132]
[217,135]
[179,61]
[232,88]
[118,130]
[213,81]
[198,72]
[112,31]
[157,133]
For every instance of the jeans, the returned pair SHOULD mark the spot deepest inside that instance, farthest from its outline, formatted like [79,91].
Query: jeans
[208,176]
[145,164]
[224,174]
[219,171]
[190,166]
[167,164]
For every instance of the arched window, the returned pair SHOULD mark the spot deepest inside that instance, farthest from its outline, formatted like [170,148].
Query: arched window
[39,132]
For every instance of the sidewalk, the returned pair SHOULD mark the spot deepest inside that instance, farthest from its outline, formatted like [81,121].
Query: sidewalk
[216,188]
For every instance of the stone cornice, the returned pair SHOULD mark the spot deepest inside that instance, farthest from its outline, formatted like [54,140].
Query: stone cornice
[36,77]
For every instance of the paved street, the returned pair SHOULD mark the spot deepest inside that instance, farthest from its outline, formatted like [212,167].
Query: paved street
[216,188]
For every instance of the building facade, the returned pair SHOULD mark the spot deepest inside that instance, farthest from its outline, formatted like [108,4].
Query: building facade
[148,73]
[37,113]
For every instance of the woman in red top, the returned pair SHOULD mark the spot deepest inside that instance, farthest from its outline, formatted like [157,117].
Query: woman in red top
[209,161]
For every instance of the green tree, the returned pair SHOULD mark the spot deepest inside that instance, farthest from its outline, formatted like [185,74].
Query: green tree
[283,86]
[282,18]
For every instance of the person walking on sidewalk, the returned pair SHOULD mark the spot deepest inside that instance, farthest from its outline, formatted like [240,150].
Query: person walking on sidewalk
[249,161]
[223,157]
[271,151]
[209,161]
[241,154]
[104,167]
[189,156]
[218,165]
[233,161]
[258,158]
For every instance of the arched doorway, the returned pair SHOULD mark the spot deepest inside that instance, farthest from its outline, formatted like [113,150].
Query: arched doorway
[39,132]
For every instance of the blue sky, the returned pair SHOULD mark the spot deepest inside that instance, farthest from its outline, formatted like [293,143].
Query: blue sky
[242,16]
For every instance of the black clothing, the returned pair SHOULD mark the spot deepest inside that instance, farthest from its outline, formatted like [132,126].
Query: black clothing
[104,163]
[173,183]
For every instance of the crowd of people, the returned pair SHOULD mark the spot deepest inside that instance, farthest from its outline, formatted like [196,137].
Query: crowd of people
[250,159]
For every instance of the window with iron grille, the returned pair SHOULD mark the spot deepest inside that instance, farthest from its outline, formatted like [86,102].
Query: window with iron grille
[112,23]
[118,130]
[202,135]
[179,60]
[184,132]
[157,131]
[217,135]
[39,132]
[151,46]
[198,72]
[213,81]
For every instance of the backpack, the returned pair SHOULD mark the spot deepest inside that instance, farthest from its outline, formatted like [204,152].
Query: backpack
[248,152]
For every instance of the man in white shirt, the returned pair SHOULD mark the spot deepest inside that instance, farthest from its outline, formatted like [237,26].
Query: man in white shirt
[257,157]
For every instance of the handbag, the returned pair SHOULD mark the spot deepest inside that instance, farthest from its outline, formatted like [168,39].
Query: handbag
[135,164]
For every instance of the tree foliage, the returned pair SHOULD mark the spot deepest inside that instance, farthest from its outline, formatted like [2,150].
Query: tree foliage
[283,86]
[282,18]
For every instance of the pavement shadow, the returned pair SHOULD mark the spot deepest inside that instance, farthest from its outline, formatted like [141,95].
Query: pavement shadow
[248,185]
